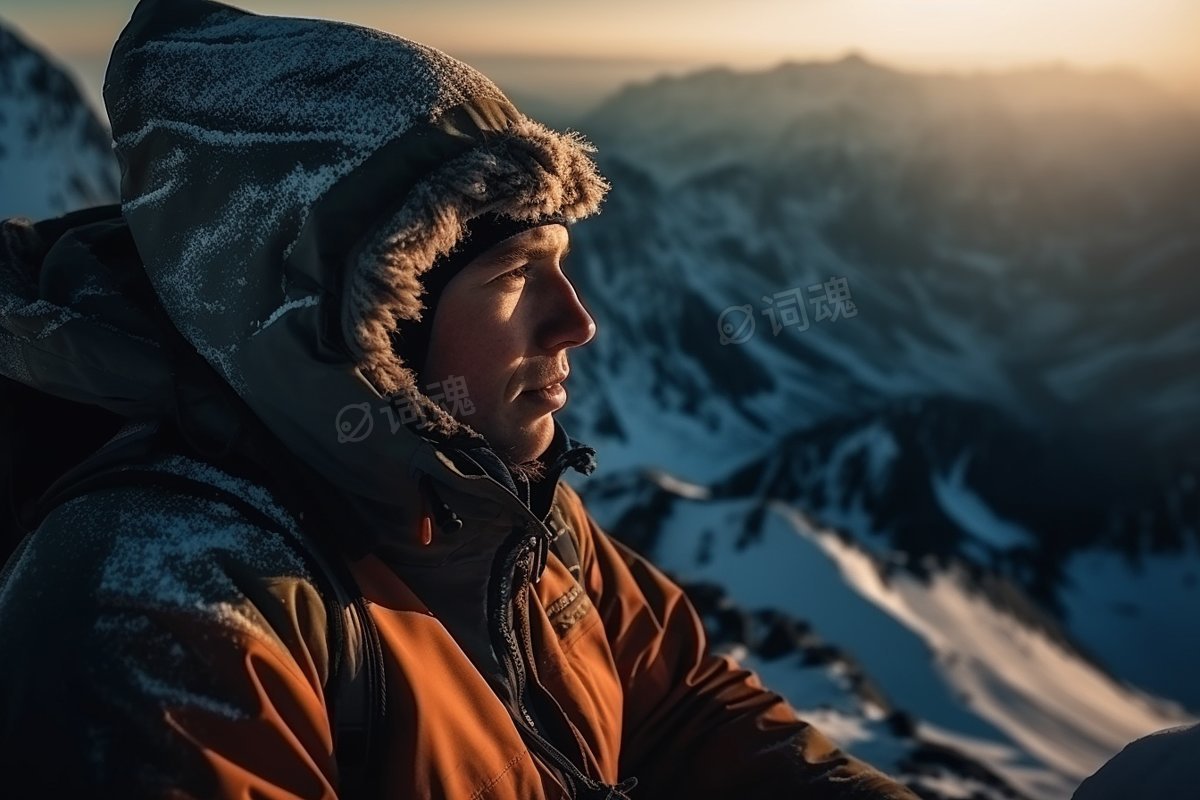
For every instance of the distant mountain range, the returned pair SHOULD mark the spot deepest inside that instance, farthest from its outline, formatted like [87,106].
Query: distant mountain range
[993,457]
[955,524]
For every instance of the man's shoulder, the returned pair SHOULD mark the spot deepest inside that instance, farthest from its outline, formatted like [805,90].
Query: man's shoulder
[1158,765]
[140,606]
[157,547]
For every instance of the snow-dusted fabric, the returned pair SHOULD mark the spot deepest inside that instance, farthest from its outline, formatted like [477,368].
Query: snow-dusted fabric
[122,598]
[274,111]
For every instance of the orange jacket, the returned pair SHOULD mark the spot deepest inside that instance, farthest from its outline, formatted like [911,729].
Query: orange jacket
[623,653]
[224,694]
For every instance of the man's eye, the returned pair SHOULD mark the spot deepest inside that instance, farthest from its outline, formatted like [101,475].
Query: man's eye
[515,274]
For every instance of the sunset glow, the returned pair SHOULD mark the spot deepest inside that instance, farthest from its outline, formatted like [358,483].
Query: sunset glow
[1157,37]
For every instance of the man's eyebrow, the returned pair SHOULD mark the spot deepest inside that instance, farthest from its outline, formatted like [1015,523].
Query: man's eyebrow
[527,252]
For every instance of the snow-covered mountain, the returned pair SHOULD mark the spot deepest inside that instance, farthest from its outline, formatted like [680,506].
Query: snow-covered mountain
[963,655]
[979,476]
[55,155]
[1032,253]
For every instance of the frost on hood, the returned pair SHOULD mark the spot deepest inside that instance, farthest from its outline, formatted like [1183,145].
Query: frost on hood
[303,302]
[228,98]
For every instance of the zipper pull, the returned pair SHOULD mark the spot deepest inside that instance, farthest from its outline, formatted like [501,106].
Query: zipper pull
[426,530]
[432,505]
[542,551]
[424,526]
[621,790]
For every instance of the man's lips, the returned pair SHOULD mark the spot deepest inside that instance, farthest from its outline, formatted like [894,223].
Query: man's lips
[553,396]
[548,393]
[553,381]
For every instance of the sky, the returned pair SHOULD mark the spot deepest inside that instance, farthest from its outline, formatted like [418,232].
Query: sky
[1160,38]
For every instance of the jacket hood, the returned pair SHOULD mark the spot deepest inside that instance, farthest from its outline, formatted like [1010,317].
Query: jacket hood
[285,183]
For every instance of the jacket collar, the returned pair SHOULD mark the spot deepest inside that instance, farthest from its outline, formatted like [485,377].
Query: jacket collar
[536,496]
[469,478]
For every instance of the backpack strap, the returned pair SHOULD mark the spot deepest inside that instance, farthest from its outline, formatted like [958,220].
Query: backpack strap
[356,699]
[564,544]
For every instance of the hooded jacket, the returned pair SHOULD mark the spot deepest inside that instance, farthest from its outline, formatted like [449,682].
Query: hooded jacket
[285,182]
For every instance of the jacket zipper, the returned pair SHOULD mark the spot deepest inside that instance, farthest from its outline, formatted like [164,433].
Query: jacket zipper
[504,641]
[516,668]
[505,625]
[504,638]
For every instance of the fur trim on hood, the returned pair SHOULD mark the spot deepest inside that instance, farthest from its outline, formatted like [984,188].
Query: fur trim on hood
[527,172]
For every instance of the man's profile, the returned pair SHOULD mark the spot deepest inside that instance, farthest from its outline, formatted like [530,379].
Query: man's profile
[234,598]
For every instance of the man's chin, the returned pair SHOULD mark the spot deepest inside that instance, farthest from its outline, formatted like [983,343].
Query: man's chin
[528,444]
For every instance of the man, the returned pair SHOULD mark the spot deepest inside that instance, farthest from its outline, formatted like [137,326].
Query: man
[318,220]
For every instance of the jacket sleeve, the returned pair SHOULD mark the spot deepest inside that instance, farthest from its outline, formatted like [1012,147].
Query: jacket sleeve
[696,724]
[106,690]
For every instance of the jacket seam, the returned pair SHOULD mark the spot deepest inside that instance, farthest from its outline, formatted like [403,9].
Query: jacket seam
[481,791]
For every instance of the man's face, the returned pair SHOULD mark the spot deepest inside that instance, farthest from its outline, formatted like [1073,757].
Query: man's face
[505,323]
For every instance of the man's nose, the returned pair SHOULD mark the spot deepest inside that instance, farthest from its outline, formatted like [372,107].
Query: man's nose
[567,322]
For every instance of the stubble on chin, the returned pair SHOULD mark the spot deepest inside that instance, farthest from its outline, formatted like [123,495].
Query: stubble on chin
[532,470]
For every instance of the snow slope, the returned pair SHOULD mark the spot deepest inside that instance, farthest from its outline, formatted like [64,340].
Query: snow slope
[1012,694]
